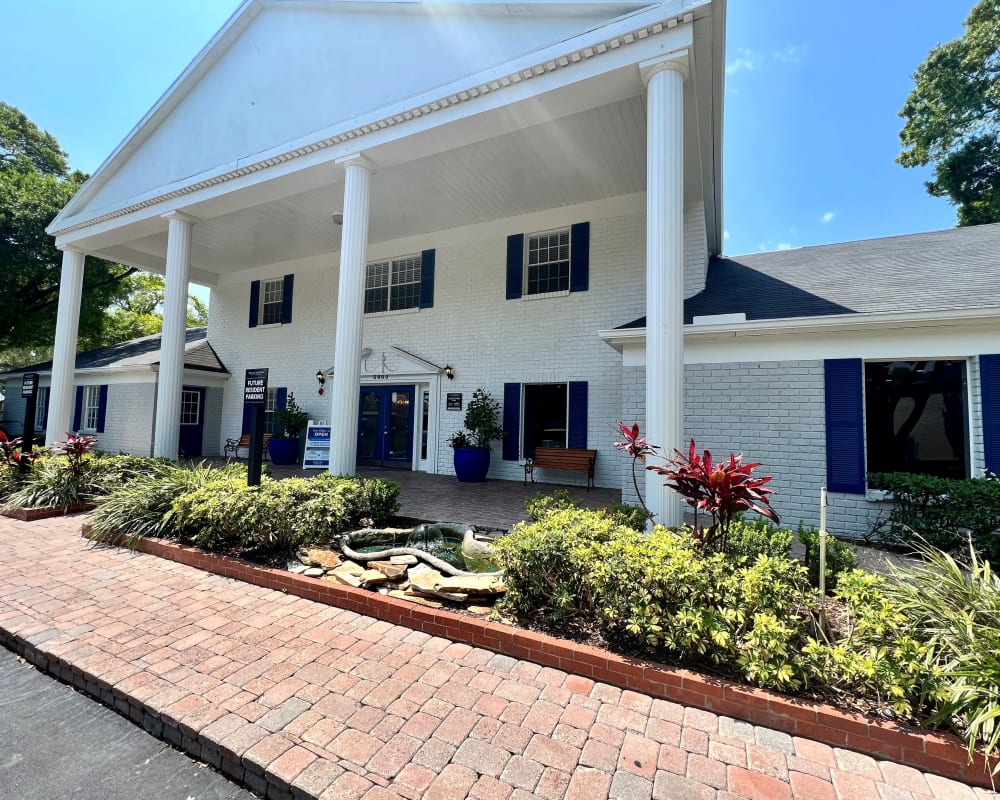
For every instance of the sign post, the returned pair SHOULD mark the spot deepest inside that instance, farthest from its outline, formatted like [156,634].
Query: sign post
[29,391]
[255,396]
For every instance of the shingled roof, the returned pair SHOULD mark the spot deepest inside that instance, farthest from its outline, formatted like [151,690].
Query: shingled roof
[943,270]
[198,354]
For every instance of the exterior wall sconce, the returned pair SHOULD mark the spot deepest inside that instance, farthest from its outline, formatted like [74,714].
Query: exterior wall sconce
[320,379]
[338,218]
[449,372]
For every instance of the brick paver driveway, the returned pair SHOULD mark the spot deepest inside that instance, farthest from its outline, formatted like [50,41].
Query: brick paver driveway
[327,703]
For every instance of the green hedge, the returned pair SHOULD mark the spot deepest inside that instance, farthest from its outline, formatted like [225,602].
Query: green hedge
[944,512]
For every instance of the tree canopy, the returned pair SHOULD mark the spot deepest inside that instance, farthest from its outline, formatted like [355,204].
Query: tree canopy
[951,118]
[119,302]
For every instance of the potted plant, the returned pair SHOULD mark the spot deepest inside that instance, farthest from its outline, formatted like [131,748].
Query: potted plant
[472,444]
[292,419]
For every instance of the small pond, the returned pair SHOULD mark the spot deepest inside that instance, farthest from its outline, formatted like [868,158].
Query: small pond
[457,545]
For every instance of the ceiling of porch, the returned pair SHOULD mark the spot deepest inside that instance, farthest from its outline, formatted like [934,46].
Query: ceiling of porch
[504,164]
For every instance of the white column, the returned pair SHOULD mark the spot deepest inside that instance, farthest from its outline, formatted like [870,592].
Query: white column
[166,434]
[64,350]
[664,272]
[350,317]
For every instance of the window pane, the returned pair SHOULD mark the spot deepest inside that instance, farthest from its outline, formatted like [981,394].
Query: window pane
[376,300]
[270,307]
[916,417]
[544,416]
[91,407]
[189,408]
[392,285]
[548,262]
[270,403]
[41,405]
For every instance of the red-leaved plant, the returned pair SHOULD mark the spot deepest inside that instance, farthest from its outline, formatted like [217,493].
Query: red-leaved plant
[75,448]
[723,489]
[10,452]
[637,447]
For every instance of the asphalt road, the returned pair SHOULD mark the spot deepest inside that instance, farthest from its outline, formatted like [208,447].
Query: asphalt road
[57,744]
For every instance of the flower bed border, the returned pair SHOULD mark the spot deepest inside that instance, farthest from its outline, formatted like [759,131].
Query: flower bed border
[941,754]
[46,512]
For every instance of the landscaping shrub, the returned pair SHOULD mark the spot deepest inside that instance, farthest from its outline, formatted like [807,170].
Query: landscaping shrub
[51,482]
[632,516]
[142,505]
[840,556]
[109,472]
[381,501]
[944,512]
[542,504]
[752,538]
[955,606]
[225,513]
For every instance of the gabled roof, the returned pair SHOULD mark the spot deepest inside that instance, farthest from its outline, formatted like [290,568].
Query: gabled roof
[954,269]
[143,352]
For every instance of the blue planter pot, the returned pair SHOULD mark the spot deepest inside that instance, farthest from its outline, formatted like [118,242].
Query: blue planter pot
[472,464]
[283,451]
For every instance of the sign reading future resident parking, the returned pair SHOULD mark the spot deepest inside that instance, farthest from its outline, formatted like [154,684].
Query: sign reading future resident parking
[29,384]
[255,387]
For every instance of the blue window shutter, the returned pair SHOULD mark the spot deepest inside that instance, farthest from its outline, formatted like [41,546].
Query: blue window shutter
[579,254]
[427,279]
[77,409]
[511,421]
[576,425]
[102,408]
[280,401]
[254,303]
[989,381]
[845,428]
[247,418]
[286,299]
[515,266]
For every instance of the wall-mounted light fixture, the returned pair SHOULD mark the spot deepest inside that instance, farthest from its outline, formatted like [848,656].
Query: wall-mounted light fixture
[449,372]
[320,379]
[338,218]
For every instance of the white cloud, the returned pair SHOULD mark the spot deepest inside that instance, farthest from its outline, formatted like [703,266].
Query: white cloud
[783,246]
[745,60]
[791,54]
[827,217]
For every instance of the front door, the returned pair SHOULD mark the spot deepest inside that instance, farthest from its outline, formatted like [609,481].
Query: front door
[385,427]
[192,422]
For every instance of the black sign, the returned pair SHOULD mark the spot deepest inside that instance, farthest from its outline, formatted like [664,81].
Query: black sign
[29,384]
[255,387]
[454,401]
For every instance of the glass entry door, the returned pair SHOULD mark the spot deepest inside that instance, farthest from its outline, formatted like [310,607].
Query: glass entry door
[385,427]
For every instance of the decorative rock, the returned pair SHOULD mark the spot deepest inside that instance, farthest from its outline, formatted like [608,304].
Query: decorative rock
[423,601]
[483,583]
[351,568]
[323,558]
[314,572]
[370,576]
[343,578]
[296,567]
[390,570]
[304,559]
[482,611]
[425,580]
[408,561]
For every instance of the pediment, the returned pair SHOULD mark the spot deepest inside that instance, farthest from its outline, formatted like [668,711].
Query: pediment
[283,70]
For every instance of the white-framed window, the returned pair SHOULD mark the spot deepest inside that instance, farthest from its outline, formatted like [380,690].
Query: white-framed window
[392,285]
[90,411]
[41,407]
[270,405]
[272,294]
[190,407]
[548,262]
[917,417]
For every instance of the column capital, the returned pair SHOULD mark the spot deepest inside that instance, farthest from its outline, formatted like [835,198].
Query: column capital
[357,160]
[175,214]
[66,248]
[678,61]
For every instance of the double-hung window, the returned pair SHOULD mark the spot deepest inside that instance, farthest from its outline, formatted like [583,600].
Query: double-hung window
[270,405]
[272,295]
[90,411]
[41,408]
[548,262]
[393,285]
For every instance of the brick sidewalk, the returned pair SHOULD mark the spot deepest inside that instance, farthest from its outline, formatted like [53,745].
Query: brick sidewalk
[300,699]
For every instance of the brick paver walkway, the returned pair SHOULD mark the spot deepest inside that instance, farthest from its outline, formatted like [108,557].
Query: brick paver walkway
[328,703]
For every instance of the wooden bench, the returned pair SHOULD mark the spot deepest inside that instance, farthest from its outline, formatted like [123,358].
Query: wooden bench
[561,458]
[243,443]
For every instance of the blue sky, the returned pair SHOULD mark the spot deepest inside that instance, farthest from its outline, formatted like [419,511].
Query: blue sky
[811,126]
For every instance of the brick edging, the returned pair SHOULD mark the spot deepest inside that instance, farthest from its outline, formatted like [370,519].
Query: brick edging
[941,754]
[46,512]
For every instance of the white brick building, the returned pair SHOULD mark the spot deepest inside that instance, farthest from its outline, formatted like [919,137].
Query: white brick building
[419,199]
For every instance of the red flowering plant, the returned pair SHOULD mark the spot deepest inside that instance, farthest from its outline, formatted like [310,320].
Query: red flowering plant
[12,457]
[75,448]
[637,447]
[724,489]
